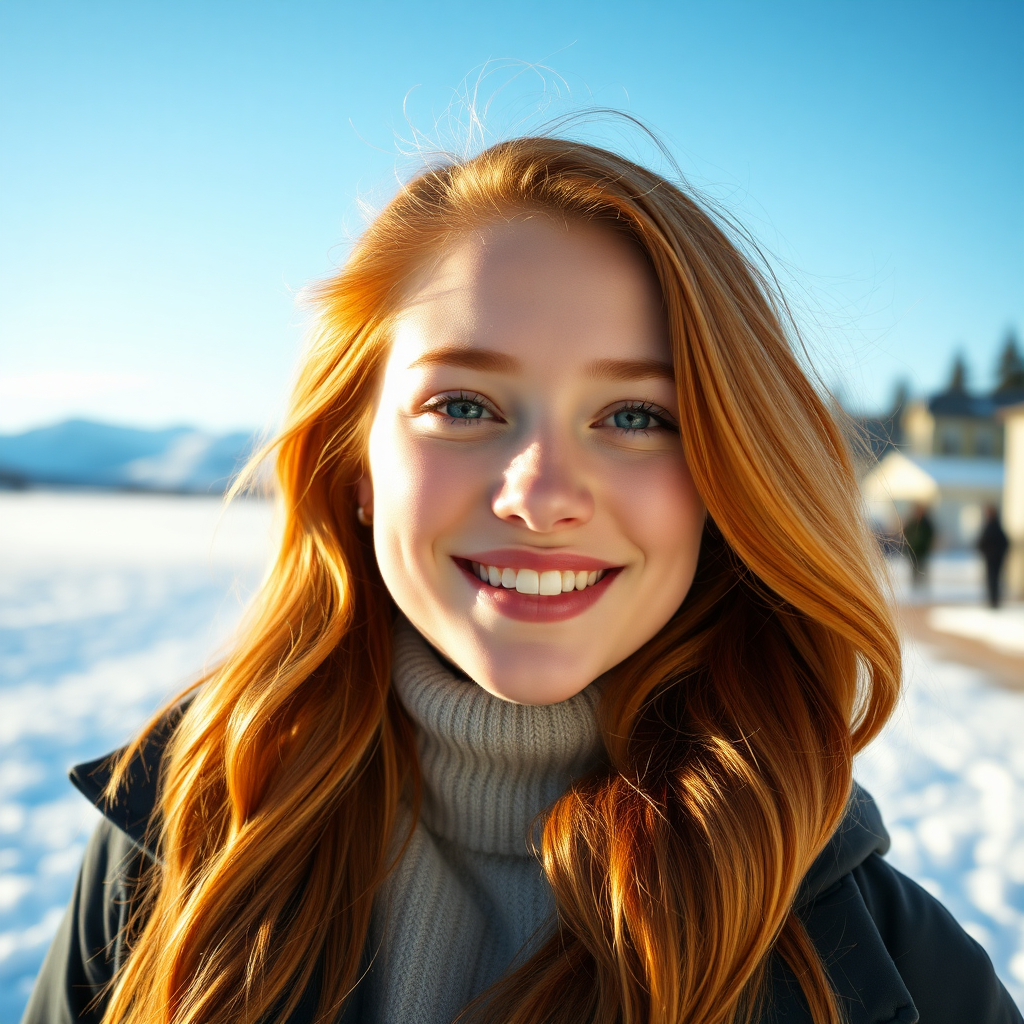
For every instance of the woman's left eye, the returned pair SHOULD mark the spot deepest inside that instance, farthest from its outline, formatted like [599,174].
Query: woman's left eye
[464,410]
[632,419]
[636,418]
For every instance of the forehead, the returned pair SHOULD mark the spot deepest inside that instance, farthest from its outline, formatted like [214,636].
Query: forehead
[539,289]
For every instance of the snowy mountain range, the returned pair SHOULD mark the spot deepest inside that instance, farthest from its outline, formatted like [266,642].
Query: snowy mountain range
[82,453]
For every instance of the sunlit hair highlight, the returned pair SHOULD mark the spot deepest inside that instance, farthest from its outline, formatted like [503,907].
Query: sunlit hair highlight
[729,736]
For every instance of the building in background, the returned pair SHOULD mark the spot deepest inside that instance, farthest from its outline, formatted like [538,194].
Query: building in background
[947,452]
[956,422]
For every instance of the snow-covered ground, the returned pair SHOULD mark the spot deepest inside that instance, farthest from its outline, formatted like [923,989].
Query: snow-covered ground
[948,774]
[110,603]
[1002,630]
[954,590]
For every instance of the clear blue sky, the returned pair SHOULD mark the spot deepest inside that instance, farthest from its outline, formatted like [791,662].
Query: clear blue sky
[172,173]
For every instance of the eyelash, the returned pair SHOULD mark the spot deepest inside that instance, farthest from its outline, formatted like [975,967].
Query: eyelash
[438,402]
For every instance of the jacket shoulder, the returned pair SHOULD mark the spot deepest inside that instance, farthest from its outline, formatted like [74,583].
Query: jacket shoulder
[947,973]
[88,947]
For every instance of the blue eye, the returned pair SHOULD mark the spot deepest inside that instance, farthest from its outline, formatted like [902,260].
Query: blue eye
[463,409]
[633,419]
[460,408]
[640,418]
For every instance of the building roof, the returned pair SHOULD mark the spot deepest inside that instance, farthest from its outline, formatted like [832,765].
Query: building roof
[960,403]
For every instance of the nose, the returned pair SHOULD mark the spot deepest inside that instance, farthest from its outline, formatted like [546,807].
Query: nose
[542,491]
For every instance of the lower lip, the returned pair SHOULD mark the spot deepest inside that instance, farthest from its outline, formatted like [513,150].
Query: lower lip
[534,607]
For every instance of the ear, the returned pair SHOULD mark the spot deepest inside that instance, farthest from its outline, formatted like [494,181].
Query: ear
[364,493]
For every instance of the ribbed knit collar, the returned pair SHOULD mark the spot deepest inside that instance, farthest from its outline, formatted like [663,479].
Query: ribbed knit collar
[489,766]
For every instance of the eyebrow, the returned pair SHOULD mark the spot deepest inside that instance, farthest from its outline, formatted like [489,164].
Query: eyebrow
[630,369]
[500,362]
[469,359]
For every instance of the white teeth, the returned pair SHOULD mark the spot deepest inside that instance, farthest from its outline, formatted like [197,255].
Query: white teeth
[550,582]
[530,581]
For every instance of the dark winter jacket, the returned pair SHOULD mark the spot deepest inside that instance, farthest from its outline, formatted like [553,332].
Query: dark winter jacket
[893,952]
[919,534]
[993,542]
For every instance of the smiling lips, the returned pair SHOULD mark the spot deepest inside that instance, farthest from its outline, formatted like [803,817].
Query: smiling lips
[529,581]
[532,588]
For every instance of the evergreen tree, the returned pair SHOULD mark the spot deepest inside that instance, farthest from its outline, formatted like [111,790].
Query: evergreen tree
[958,378]
[1010,371]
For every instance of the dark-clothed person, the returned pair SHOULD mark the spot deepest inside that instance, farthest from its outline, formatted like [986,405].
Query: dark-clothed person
[993,545]
[918,538]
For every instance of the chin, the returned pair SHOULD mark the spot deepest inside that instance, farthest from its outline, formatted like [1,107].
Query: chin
[526,676]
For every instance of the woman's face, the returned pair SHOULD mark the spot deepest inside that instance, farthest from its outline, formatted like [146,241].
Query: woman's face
[526,432]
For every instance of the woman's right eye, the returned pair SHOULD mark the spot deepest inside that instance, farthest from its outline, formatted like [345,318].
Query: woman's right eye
[459,408]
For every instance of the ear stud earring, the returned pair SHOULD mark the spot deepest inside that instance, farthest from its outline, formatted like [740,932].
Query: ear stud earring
[365,518]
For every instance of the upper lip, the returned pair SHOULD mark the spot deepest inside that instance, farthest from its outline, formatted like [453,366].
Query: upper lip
[516,558]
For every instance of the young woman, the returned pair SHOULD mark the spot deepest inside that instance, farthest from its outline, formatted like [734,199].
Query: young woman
[546,711]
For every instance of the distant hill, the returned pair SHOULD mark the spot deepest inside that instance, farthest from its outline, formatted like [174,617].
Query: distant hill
[83,453]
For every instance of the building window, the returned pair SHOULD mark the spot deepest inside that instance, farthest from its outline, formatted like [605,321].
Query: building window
[950,441]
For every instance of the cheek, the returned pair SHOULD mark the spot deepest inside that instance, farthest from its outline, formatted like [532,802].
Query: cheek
[659,509]
[422,490]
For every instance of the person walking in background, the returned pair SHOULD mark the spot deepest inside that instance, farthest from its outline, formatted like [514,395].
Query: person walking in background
[993,545]
[918,537]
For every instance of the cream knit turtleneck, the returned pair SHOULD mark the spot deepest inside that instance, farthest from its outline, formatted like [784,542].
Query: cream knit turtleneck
[468,895]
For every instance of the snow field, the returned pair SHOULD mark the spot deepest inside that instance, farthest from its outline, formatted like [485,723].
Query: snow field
[109,604]
[948,774]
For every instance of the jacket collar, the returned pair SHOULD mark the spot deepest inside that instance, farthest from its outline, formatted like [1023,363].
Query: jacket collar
[133,808]
[860,834]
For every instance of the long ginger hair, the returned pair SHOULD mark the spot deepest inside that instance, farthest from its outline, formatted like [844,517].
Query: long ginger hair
[729,736]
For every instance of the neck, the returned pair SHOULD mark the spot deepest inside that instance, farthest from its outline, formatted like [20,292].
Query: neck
[489,766]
